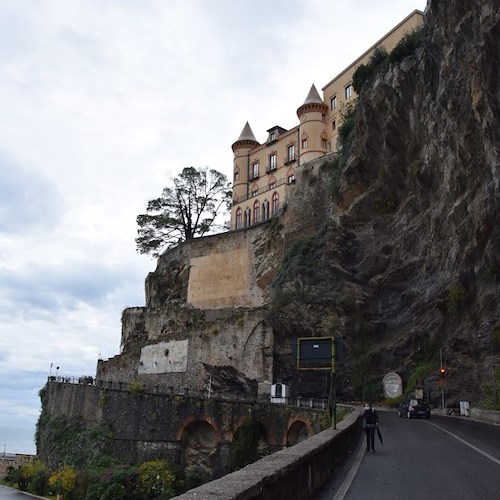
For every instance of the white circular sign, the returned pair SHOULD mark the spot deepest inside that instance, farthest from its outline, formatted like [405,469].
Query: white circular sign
[393,385]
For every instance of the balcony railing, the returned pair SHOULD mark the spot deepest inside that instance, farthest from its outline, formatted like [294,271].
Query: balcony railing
[271,168]
[289,159]
[259,191]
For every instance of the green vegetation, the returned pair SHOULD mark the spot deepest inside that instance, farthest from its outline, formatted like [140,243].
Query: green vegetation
[364,72]
[248,445]
[407,45]
[455,298]
[154,479]
[386,205]
[136,388]
[415,167]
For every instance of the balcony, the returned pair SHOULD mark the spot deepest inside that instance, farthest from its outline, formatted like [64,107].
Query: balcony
[271,168]
[289,159]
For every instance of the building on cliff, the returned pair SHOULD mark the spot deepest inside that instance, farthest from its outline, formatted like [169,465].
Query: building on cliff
[264,173]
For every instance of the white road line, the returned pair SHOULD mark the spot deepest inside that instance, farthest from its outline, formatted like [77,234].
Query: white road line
[475,448]
[341,493]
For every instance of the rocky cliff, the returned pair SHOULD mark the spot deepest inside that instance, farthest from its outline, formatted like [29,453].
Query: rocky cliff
[404,263]
[392,244]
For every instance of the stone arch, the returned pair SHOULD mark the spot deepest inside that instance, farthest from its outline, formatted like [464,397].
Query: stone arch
[297,432]
[249,443]
[199,445]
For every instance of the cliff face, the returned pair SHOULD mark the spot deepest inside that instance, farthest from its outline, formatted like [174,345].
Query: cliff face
[393,245]
[406,260]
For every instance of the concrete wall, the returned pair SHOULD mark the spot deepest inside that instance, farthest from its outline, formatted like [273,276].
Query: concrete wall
[298,472]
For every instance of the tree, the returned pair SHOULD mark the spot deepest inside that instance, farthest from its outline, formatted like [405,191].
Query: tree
[63,480]
[184,211]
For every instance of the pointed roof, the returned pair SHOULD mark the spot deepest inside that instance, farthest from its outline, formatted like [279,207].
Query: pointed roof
[313,96]
[313,102]
[247,134]
[246,139]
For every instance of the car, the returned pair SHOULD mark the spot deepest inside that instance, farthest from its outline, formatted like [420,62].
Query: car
[413,407]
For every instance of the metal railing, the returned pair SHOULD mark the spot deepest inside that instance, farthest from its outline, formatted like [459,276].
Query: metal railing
[170,390]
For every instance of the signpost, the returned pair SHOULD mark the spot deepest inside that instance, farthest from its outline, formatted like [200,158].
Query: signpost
[319,354]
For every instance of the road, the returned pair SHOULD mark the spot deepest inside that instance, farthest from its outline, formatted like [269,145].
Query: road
[10,494]
[440,458]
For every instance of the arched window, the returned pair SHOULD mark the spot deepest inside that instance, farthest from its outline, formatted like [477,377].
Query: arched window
[256,209]
[237,175]
[239,221]
[265,210]
[248,217]
[276,202]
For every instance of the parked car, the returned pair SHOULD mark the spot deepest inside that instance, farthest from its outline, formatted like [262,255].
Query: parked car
[413,407]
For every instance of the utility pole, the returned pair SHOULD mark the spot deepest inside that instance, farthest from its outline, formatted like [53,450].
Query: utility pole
[333,388]
[441,369]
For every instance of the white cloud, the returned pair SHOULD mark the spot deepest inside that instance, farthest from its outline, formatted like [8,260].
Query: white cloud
[99,101]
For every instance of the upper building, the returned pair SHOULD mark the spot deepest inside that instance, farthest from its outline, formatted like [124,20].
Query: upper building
[264,173]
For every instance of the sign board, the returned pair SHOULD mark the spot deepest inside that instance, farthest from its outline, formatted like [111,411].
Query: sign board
[314,353]
[393,385]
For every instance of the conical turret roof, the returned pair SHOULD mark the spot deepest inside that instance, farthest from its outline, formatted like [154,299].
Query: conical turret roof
[313,102]
[246,139]
[313,96]
[247,134]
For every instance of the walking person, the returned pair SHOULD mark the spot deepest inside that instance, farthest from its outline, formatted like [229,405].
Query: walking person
[369,423]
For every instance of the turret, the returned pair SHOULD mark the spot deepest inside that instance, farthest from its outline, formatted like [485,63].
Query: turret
[241,149]
[312,129]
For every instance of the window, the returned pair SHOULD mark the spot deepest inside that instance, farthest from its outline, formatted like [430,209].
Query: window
[255,170]
[291,179]
[276,201]
[323,143]
[304,143]
[348,91]
[255,192]
[272,185]
[238,219]
[256,210]
[291,152]
[272,136]
[248,217]
[334,125]
[236,175]
[333,102]
[272,161]
[265,210]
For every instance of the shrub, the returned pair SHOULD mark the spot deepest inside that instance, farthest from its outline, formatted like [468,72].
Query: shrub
[156,479]
[407,45]
[196,476]
[135,388]
[362,74]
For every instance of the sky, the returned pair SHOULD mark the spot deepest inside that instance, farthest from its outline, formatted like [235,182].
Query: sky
[101,103]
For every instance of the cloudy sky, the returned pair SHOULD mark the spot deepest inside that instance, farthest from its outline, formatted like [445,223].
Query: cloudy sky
[101,101]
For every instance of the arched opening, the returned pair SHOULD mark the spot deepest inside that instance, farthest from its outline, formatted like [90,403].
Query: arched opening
[256,212]
[265,210]
[276,202]
[278,391]
[248,217]
[239,219]
[199,447]
[297,433]
[249,444]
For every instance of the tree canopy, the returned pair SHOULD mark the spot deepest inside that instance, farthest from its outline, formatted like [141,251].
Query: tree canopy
[187,210]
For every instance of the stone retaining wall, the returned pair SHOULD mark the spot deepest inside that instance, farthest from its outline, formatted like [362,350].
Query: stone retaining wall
[297,472]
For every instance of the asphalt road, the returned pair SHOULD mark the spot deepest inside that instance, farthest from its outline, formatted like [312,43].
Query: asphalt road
[440,458]
[10,494]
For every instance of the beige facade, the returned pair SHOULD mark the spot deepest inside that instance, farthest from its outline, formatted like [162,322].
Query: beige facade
[263,174]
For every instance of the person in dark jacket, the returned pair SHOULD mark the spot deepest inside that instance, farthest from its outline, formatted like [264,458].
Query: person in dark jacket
[369,423]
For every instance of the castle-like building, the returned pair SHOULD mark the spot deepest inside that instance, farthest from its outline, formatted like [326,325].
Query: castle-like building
[264,173]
